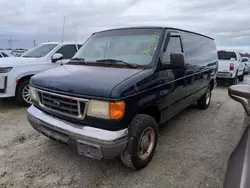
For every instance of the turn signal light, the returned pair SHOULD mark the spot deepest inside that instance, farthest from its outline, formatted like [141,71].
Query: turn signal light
[116,110]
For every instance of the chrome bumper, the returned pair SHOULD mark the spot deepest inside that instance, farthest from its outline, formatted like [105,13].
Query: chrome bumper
[89,141]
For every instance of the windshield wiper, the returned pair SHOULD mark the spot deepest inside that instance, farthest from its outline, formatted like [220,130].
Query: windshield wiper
[116,61]
[81,60]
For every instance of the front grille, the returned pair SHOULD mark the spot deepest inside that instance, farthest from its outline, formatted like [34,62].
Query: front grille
[62,104]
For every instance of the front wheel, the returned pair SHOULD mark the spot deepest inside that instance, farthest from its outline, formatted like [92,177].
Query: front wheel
[204,101]
[22,93]
[142,141]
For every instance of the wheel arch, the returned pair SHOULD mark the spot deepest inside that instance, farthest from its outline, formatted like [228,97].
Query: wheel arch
[151,110]
[212,83]
[21,79]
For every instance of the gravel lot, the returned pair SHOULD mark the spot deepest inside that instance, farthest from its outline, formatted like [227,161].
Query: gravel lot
[193,150]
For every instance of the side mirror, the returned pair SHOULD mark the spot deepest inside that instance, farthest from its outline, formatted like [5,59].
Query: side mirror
[56,57]
[241,93]
[177,61]
[232,59]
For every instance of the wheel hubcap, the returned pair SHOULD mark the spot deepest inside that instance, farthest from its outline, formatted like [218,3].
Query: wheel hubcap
[208,96]
[26,94]
[146,143]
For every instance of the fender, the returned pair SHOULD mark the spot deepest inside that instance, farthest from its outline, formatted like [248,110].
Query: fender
[29,73]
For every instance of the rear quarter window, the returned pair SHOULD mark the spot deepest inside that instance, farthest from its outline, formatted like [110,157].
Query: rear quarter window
[199,49]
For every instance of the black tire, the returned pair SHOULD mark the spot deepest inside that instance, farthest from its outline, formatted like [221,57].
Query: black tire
[204,101]
[235,79]
[241,78]
[130,156]
[19,97]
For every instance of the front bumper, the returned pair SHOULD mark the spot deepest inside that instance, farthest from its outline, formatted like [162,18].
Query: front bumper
[89,141]
[7,86]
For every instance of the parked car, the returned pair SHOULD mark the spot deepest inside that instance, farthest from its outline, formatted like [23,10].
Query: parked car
[246,61]
[230,66]
[110,98]
[15,72]
[238,169]
[2,55]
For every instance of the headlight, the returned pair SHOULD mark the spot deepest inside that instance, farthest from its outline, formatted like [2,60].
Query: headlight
[5,69]
[33,94]
[106,110]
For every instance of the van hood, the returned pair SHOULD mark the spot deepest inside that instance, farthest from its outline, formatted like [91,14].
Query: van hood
[83,80]
[18,61]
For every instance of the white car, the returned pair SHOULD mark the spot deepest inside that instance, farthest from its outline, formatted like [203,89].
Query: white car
[230,66]
[246,60]
[15,72]
[2,55]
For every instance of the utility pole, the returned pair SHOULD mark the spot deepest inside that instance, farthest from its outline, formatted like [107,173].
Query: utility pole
[63,28]
[34,42]
[10,43]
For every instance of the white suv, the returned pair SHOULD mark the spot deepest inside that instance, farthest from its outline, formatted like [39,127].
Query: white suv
[15,72]
[230,66]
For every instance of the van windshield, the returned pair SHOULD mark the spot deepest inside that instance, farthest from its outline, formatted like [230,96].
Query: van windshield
[132,46]
[226,55]
[40,51]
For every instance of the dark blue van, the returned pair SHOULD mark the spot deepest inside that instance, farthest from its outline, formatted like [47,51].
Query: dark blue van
[109,100]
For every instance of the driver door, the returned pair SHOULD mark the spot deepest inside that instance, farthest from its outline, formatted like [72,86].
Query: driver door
[174,89]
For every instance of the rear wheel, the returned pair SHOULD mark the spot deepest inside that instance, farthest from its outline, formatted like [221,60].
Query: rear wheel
[142,141]
[241,77]
[204,101]
[22,93]
[235,79]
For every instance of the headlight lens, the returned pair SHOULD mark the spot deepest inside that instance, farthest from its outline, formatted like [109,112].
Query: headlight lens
[98,109]
[5,69]
[106,110]
[33,94]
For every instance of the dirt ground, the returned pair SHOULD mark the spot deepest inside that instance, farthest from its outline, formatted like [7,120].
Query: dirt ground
[193,150]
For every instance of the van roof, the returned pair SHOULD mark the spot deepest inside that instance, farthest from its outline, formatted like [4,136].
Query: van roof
[155,27]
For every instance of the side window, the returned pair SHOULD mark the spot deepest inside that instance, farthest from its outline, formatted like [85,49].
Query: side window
[174,45]
[79,46]
[68,51]
[198,49]
[4,55]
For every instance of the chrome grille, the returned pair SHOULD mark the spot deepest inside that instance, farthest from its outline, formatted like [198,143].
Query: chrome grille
[62,104]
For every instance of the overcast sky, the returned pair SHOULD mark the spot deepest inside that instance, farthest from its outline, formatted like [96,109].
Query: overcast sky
[228,21]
